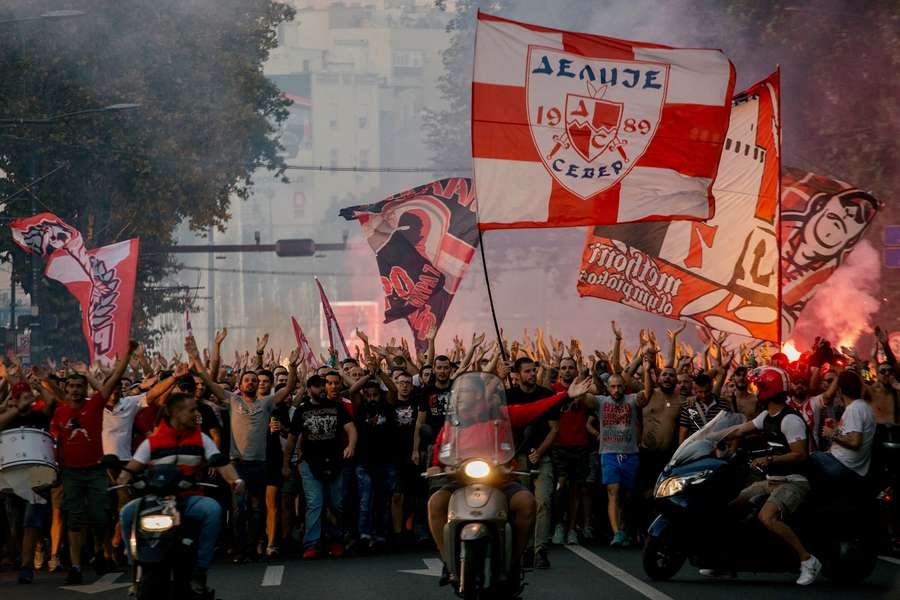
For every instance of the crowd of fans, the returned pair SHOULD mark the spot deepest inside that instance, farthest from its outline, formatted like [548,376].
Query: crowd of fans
[331,458]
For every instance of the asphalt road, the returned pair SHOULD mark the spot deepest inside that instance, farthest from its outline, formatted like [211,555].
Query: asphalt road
[577,573]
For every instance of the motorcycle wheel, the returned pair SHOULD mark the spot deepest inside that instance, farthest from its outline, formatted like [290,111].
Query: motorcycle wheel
[660,561]
[154,583]
[852,561]
[471,571]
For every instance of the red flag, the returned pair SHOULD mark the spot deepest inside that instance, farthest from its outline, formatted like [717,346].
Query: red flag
[105,292]
[575,129]
[45,233]
[331,321]
[308,357]
[723,273]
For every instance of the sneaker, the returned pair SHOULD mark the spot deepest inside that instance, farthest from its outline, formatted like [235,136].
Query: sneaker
[587,533]
[809,570]
[559,535]
[100,564]
[540,559]
[310,554]
[336,550]
[54,565]
[717,573]
[272,552]
[74,577]
[26,576]
[626,540]
[198,581]
[445,576]
[572,538]
[618,540]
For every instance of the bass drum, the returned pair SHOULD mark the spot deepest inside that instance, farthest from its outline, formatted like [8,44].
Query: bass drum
[27,459]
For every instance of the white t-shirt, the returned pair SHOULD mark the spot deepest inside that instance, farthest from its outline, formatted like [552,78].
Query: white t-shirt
[794,429]
[142,454]
[117,425]
[858,417]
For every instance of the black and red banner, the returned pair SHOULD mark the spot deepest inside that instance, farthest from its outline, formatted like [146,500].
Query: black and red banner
[424,239]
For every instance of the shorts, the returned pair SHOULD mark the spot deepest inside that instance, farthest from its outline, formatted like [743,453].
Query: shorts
[407,478]
[509,489]
[571,463]
[85,497]
[274,477]
[620,469]
[37,515]
[594,475]
[123,495]
[786,495]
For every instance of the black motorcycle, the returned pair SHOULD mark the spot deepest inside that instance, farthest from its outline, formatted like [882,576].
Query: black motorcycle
[163,544]
[697,521]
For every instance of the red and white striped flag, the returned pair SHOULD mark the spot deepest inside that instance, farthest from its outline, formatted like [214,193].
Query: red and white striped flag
[575,129]
[334,329]
[305,349]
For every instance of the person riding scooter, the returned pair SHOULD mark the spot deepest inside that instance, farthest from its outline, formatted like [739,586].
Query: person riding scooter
[786,482]
[471,428]
[179,441]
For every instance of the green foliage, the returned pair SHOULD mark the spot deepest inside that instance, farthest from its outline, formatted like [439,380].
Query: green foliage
[206,122]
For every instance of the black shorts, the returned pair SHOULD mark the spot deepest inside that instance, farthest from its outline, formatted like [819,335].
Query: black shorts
[571,463]
[509,489]
[273,474]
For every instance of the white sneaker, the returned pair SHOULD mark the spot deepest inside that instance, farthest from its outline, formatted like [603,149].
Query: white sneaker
[559,535]
[572,538]
[809,570]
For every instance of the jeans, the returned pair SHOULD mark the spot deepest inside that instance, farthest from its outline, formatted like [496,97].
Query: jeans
[375,484]
[201,509]
[249,509]
[321,495]
[543,492]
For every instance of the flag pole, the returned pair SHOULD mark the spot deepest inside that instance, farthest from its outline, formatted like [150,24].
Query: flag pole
[487,283]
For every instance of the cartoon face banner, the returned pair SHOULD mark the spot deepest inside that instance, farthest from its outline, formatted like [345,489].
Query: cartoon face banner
[424,240]
[105,292]
[45,233]
[822,219]
[575,129]
[722,272]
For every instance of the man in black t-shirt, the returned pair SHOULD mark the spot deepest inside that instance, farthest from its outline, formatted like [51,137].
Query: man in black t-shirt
[319,425]
[533,450]
[432,409]
[376,471]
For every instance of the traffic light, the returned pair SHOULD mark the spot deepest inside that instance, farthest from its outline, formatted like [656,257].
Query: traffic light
[297,247]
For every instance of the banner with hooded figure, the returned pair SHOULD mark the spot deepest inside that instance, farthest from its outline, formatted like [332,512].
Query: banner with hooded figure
[724,272]
[822,219]
[424,239]
[576,129]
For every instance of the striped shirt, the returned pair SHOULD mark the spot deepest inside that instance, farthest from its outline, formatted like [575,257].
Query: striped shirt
[694,415]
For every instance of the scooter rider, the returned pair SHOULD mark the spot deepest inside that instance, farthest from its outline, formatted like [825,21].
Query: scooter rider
[785,483]
[474,426]
[178,440]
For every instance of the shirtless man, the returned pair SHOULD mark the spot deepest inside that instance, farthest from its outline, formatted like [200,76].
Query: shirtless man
[745,402]
[885,396]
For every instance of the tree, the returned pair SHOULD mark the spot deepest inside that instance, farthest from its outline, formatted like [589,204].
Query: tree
[207,121]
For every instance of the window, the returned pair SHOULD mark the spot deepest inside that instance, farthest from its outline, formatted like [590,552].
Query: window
[306,66]
[299,204]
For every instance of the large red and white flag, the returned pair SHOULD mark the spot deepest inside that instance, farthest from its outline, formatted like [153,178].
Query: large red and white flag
[576,129]
[106,294]
[331,322]
[723,273]
[45,233]
[305,349]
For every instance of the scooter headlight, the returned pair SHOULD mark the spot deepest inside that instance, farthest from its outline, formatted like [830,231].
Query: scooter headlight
[477,469]
[157,522]
[675,485]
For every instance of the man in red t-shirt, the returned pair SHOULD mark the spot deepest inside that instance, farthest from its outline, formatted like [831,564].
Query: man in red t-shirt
[571,454]
[77,426]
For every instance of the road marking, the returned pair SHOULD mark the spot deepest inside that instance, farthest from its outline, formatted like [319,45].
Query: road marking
[104,584]
[614,571]
[433,567]
[890,559]
[272,576]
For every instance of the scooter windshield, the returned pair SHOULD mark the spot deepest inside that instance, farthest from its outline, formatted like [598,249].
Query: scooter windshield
[702,443]
[477,423]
